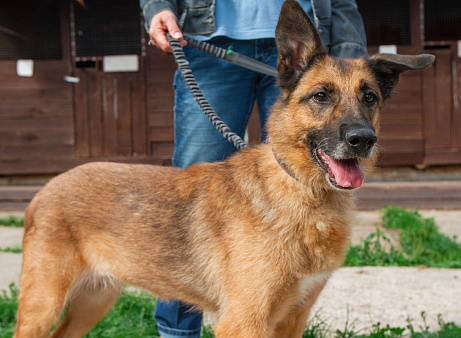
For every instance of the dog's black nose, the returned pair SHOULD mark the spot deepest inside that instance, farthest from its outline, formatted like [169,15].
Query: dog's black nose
[360,139]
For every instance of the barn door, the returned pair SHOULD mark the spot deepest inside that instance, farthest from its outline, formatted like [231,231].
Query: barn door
[109,95]
[442,82]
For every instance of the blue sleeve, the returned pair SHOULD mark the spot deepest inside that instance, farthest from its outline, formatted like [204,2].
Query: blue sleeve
[348,39]
[152,7]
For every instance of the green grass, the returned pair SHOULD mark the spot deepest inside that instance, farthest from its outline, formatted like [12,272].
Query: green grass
[8,306]
[133,316]
[12,221]
[420,240]
[12,249]
[318,328]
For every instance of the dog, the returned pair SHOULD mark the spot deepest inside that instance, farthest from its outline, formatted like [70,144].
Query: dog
[253,238]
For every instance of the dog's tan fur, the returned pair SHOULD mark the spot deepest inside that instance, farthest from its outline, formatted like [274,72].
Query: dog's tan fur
[240,237]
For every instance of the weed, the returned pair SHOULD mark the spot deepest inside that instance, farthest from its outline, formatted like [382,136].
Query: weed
[132,316]
[12,249]
[373,253]
[12,221]
[8,306]
[420,239]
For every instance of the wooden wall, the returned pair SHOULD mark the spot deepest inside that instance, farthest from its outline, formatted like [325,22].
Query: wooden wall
[160,68]
[48,125]
[401,138]
[36,118]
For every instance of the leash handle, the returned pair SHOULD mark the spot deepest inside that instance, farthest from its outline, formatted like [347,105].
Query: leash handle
[232,57]
[183,66]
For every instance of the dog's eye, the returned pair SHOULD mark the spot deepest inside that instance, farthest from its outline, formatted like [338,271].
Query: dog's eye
[320,97]
[369,98]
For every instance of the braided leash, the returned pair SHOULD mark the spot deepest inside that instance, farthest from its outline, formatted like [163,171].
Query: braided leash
[183,66]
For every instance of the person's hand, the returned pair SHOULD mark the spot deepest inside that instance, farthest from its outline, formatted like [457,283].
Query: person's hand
[161,23]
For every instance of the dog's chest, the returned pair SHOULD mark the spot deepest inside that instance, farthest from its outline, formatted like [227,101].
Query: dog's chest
[309,283]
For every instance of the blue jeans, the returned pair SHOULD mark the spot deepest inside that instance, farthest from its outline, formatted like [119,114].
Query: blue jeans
[231,92]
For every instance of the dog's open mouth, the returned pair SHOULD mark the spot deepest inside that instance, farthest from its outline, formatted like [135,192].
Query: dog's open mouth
[342,173]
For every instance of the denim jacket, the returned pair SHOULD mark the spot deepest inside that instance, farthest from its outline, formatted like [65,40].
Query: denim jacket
[338,22]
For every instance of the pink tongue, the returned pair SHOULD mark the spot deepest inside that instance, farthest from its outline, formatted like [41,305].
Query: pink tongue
[346,173]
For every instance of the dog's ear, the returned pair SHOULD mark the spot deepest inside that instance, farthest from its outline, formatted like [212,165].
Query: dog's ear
[298,43]
[388,67]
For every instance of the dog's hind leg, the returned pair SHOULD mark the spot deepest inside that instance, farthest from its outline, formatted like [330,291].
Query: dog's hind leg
[91,298]
[45,283]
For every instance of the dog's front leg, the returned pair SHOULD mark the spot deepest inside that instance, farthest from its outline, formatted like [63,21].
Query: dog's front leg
[295,320]
[245,316]
[237,324]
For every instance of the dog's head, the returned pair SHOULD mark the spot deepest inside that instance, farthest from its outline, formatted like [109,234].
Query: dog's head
[324,127]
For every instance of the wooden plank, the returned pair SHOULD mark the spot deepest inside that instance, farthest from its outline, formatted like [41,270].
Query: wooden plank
[35,110]
[405,97]
[412,190]
[157,59]
[400,129]
[161,76]
[82,137]
[162,148]
[38,137]
[425,195]
[160,90]
[409,112]
[18,193]
[55,165]
[443,156]
[54,80]
[400,145]
[409,82]
[95,113]
[161,134]
[33,151]
[161,120]
[49,94]
[42,69]
[139,116]
[55,123]
[443,92]
[412,204]
[457,101]
[159,104]
[109,84]
[400,159]
[429,108]
[123,115]
[13,206]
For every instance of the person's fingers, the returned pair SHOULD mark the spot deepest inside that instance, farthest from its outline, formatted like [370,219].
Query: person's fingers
[158,38]
[173,28]
[161,23]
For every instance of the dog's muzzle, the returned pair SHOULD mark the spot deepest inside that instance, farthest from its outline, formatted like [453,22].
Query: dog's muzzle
[360,139]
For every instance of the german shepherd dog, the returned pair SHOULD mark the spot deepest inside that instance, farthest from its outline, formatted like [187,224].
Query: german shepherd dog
[253,238]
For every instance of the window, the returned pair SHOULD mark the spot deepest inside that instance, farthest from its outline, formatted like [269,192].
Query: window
[386,22]
[30,29]
[107,27]
[442,20]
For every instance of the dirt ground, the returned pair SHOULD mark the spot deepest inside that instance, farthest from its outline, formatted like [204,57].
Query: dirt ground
[364,296]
